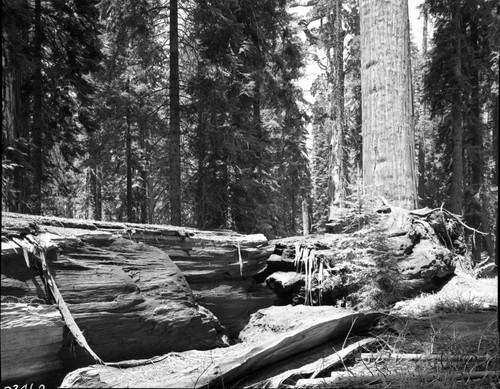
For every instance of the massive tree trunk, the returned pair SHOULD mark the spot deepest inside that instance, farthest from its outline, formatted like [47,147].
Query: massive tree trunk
[175,130]
[457,125]
[337,180]
[129,298]
[388,133]
[37,126]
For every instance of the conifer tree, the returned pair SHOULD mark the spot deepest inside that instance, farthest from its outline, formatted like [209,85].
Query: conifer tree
[54,90]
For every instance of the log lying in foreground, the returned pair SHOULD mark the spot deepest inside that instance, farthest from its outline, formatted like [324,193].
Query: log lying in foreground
[289,345]
[210,369]
[128,299]
[31,340]
[348,380]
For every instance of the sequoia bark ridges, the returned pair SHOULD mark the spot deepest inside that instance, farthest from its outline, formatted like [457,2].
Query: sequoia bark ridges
[387,111]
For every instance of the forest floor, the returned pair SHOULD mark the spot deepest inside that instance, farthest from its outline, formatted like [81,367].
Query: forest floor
[457,325]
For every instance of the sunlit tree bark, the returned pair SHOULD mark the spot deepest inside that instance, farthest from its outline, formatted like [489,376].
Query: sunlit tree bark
[387,112]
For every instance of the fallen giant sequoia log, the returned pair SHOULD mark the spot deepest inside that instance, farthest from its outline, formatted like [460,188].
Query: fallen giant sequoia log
[390,256]
[128,298]
[223,367]
[202,256]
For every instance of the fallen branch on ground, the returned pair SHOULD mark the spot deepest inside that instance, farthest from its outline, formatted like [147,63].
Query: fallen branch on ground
[345,379]
[422,357]
[315,368]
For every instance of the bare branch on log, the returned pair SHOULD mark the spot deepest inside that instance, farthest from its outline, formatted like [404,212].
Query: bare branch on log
[428,211]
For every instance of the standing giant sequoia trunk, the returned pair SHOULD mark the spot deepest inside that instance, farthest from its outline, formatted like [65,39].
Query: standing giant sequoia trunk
[388,133]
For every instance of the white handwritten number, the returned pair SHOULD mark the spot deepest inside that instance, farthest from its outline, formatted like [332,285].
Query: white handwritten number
[25,386]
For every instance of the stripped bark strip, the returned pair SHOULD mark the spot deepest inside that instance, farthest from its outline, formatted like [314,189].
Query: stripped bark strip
[26,248]
[63,308]
[240,259]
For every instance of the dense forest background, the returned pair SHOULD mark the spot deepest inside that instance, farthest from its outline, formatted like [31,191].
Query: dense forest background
[191,112]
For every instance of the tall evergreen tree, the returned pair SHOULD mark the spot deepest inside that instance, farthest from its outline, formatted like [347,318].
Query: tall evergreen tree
[16,174]
[337,188]
[56,46]
[244,95]
[131,113]
[458,90]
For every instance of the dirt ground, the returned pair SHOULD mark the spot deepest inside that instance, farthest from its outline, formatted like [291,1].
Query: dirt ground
[458,324]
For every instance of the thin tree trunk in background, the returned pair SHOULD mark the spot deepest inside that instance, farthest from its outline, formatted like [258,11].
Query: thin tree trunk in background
[479,216]
[128,153]
[95,176]
[457,125]
[496,109]
[97,194]
[495,132]
[256,108]
[476,131]
[143,134]
[22,181]
[421,136]
[37,126]
[337,180]
[293,208]
[175,131]
[201,151]
[15,118]
[305,217]
[389,169]
[152,198]
[92,192]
